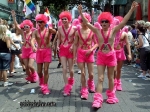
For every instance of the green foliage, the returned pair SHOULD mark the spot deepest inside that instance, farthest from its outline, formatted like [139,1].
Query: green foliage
[56,6]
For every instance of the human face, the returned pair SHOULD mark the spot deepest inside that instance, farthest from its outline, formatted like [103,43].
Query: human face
[64,20]
[41,23]
[27,28]
[105,23]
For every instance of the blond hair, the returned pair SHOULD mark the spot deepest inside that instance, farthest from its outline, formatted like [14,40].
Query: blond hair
[147,24]
[3,29]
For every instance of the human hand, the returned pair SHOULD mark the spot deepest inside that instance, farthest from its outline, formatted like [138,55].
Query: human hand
[80,8]
[13,13]
[88,52]
[134,5]
[34,49]
[129,57]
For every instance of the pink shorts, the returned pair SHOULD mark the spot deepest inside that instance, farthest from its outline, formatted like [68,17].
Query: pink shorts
[65,52]
[44,55]
[28,53]
[120,55]
[106,59]
[82,58]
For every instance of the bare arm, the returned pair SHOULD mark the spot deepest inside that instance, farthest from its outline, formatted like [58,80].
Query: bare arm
[90,26]
[51,30]
[15,22]
[8,42]
[58,40]
[95,43]
[126,18]
[11,42]
[128,46]
[33,41]
[75,44]
[140,42]
[56,36]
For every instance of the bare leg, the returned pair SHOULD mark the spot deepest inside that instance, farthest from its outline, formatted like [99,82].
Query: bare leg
[64,66]
[101,70]
[39,69]
[12,64]
[90,70]
[46,75]
[21,61]
[71,69]
[110,74]
[30,65]
[119,66]
[26,65]
[82,68]
[4,75]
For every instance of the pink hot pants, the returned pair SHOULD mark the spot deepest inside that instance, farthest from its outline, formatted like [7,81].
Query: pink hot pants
[82,58]
[65,52]
[120,55]
[44,55]
[28,53]
[106,59]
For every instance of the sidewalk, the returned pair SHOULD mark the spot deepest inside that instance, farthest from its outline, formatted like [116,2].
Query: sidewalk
[135,96]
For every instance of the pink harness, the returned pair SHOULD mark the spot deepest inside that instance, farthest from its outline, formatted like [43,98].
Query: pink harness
[42,38]
[84,41]
[27,40]
[105,44]
[66,35]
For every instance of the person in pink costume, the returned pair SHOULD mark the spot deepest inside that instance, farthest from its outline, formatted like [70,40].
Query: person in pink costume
[65,40]
[28,55]
[43,51]
[106,56]
[84,50]
[120,55]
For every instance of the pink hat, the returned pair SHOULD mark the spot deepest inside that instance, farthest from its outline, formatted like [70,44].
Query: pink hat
[125,29]
[120,18]
[27,22]
[41,17]
[97,25]
[65,14]
[21,25]
[86,15]
[105,16]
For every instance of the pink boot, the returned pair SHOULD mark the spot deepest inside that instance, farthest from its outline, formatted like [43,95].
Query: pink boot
[112,99]
[84,93]
[115,84]
[98,100]
[44,89]
[67,90]
[35,77]
[91,85]
[119,85]
[71,82]
[29,78]
[41,81]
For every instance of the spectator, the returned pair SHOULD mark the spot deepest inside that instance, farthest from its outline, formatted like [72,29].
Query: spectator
[4,54]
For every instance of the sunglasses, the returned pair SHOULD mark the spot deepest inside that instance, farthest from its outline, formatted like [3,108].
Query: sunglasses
[63,19]
[40,22]
[26,26]
[104,21]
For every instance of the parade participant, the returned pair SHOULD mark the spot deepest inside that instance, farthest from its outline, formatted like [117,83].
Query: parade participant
[106,56]
[120,55]
[84,50]
[43,51]
[65,40]
[28,55]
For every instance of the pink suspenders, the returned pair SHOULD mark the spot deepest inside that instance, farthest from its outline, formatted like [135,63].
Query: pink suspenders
[27,40]
[66,34]
[105,44]
[42,37]
[84,41]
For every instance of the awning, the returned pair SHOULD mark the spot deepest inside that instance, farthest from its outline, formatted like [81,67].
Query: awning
[120,2]
[149,10]
[139,12]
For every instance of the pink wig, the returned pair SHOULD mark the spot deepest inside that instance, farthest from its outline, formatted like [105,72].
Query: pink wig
[120,18]
[65,14]
[41,17]
[125,29]
[21,25]
[75,22]
[105,16]
[86,15]
[97,25]
[59,23]
[27,22]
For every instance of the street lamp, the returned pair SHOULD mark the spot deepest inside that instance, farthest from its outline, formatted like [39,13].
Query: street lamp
[113,4]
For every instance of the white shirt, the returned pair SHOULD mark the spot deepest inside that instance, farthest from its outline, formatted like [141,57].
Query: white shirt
[145,41]
[17,41]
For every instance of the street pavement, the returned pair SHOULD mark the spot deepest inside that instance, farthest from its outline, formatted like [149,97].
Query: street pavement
[135,96]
